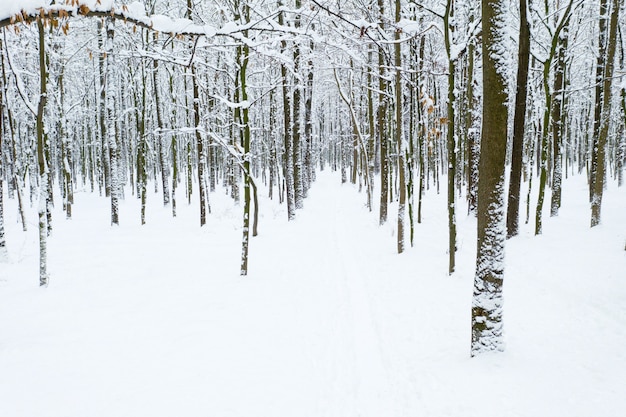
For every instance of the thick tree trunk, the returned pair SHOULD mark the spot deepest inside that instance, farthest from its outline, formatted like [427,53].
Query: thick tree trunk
[487,298]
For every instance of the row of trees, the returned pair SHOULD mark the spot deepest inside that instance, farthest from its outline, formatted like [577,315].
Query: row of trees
[189,98]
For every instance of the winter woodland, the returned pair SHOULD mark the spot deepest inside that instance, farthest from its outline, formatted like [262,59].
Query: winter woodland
[447,121]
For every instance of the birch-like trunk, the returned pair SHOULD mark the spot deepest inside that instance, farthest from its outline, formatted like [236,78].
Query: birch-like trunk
[41,162]
[109,90]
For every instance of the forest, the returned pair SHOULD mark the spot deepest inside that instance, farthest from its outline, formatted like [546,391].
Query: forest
[484,110]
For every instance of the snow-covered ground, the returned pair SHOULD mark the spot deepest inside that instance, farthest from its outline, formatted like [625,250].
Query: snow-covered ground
[155,321]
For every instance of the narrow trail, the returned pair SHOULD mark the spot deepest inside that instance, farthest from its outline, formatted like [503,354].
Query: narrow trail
[372,390]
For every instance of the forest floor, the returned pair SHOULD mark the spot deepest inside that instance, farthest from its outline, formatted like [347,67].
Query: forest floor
[155,321]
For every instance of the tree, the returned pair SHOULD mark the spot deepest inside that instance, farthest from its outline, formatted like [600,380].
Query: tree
[549,93]
[41,160]
[558,116]
[519,119]
[111,136]
[598,189]
[201,156]
[244,17]
[380,121]
[296,123]
[287,132]
[487,297]
[3,243]
[597,115]
[449,36]
[401,143]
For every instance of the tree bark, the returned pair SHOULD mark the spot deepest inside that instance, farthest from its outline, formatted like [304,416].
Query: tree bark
[288,166]
[110,122]
[596,201]
[399,133]
[597,115]
[487,297]
[558,126]
[380,124]
[41,161]
[519,118]
[451,139]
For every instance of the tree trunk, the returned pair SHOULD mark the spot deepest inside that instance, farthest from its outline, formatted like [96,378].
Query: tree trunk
[288,167]
[199,146]
[597,115]
[451,141]
[173,145]
[110,122]
[519,118]
[399,133]
[545,137]
[380,122]
[309,167]
[105,175]
[3,243]
[162,149]
[558,126]
[598,189]
[487,297]
[41,161]
[423,134]
[246,148]
[16,167]
[296,122]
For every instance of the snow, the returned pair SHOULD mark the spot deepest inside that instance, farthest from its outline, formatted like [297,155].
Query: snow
[155,321]
[134,11]
[9,8]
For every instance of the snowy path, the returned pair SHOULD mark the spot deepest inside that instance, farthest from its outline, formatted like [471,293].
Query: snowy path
[331,235]
[372,389]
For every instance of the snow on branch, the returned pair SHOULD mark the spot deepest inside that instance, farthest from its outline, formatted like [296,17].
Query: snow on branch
[29,11]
